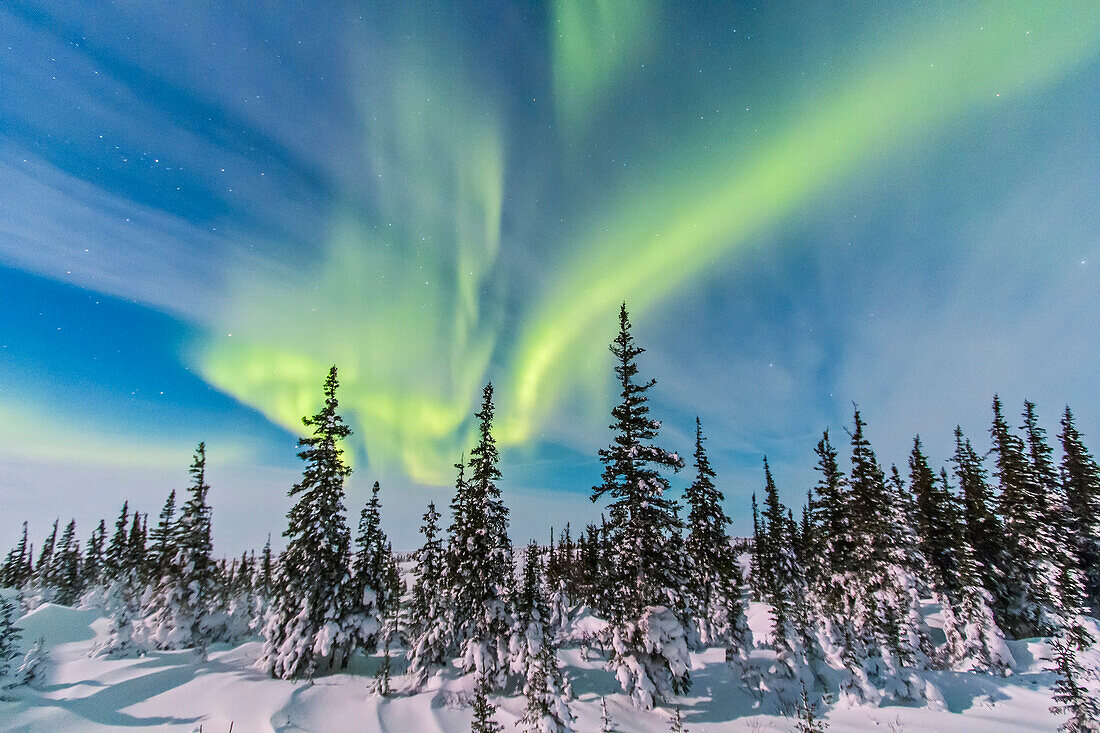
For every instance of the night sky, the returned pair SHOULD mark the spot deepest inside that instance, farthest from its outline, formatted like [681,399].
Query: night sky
[204,205]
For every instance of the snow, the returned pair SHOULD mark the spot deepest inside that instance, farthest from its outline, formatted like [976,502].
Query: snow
[172,691]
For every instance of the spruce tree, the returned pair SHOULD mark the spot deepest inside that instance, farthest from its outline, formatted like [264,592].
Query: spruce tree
[479,559]
[369,565]
[676,725]
[427,635]
[483,708]
[114,560]
[66,567]
[9,643]
[1072,696]
[1081,479]
[136,560]
[937,524]
[645,598]
[309,629]
[713,576]
[93,555]
[43,569]
[983,529]
[12,575]
[161,538]
[175,616]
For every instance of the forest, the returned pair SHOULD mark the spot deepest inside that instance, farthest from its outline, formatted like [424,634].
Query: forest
[1006,544]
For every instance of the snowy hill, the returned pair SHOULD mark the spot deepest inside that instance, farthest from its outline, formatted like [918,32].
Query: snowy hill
[170,691]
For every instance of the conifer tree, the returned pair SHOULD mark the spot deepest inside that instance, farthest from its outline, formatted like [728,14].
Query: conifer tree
[713,576]
[66,567]
[369,565]
[807,719]
[135,547]
[309,628]
[1071,694]
[114,560]
[32,669]
[161,549]
[479,559]
[93,555]
[175,616]
[426,614]
[1081,478]
[759,570]
[645,598]
[43,570]
[483,708]
[982,526]
[12,575]
[937,523]
[9,643]
[1030,575]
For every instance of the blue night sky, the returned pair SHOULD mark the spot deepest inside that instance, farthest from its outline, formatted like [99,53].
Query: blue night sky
[202,206]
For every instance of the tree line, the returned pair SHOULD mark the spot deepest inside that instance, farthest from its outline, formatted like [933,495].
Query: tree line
[1007,544]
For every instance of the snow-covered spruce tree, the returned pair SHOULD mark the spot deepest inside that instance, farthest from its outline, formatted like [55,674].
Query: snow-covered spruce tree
[713,575]
[263,583]
[1081,481]
[1072,696]
[786,591]
[135,547]
[1069,598]
[309,629]
[887,633]
[648,634]
[534,655]
[32,670]
[9,644]
[1031,573]
[368,567]
[174,615]
[483,708]
[65,574]
[162,538]
[12,575]
[982,527]
[425,614]
[92,566]
[937,524]
[479,560]
[118,592]
[974,640]
[759,569]
[41,588]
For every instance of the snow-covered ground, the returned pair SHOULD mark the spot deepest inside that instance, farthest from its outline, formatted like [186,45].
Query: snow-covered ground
[170,691]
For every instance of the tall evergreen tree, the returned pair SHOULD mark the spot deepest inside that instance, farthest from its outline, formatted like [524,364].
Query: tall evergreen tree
[43,569]
[483,708]
[369,564]
[479,560]
[713,576]
[937,523]
[309,628]
[114,560]
[161,548]
[66,567]
[176,614]
[12,575]
[1081,479]
[9,643]
[427,635]
[645,583]
[982,526]
[93,555]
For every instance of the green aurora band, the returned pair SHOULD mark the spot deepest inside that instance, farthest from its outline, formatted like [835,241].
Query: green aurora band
[408,300]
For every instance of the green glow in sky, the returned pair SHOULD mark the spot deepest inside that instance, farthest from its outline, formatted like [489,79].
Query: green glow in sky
[659,237]
[408,298]
[397,301]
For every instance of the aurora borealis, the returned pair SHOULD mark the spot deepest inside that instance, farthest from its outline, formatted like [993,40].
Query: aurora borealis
[803,206]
